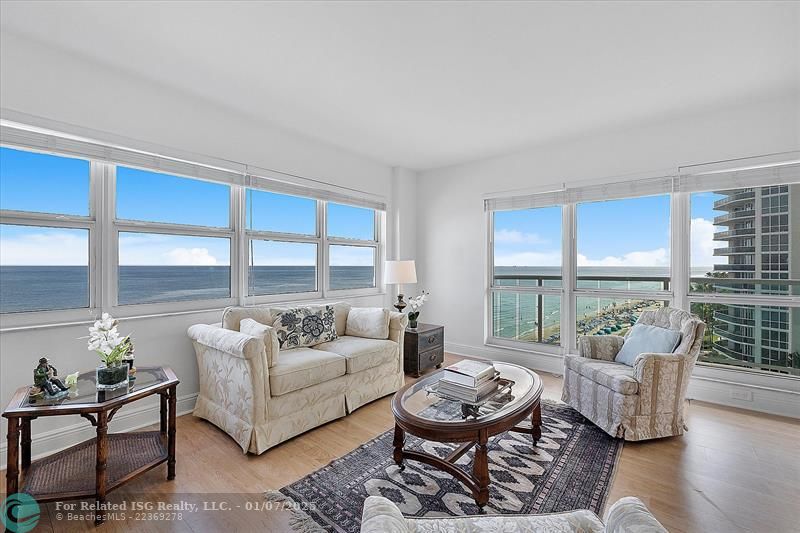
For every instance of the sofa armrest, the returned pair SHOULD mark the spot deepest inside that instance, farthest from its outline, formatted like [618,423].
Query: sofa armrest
[226,341]
[603,347]
[629,515]
[380,515]
[662,381]
[397,333]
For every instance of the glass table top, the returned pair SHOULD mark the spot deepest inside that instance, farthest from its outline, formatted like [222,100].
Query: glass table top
[421,401]
[85,391]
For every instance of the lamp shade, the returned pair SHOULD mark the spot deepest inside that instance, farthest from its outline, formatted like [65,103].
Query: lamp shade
[400,272]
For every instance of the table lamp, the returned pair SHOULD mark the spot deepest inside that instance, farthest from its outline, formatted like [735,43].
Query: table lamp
[398,273]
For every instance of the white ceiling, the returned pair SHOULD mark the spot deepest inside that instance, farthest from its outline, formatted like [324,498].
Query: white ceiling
[429,84]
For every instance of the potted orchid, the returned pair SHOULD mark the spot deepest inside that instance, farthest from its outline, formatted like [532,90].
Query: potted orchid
[414,305]
[104,338]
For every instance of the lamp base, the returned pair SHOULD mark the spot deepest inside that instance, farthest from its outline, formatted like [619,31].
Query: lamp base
[401,304]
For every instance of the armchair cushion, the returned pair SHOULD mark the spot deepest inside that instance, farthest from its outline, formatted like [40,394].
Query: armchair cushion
[615,376]
[361,354]
[249,326]
[305,326]
[368,322]
[644,338]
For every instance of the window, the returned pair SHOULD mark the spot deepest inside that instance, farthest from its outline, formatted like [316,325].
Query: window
[352,247]
[741,248]
[45,232]
[349,222]
[156,197]
[158,264]
[43,268]
[351,267]
[278,267]
[526,252]
[624,244]
[42,183]
[281,213]
[155,268]
[610,316]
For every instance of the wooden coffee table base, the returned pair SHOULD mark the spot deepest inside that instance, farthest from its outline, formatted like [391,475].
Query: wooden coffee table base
[478,481]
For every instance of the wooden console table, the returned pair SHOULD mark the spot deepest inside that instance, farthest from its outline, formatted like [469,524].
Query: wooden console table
[116,458]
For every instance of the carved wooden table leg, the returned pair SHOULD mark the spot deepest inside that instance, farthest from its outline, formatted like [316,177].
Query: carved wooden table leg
[536,423]
[101,446]
[12,469]
[171,433]
[399,439]
[480,469]
[26,444]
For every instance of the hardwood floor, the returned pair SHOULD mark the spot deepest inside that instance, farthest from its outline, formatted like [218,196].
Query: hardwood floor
[733,471]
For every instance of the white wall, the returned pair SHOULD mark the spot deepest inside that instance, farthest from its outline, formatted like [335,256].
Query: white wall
[450,238]
[60,87]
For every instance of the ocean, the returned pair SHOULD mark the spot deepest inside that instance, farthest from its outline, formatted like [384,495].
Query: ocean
[38,288]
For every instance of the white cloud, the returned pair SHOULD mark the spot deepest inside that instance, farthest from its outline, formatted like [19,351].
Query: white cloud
[189,257]
[45,246]
[510,236]
[552,258]
[350,256]
[649,258]
[703,243]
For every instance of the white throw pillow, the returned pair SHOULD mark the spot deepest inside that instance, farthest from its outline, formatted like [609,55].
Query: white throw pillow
[248,326]
[368,322]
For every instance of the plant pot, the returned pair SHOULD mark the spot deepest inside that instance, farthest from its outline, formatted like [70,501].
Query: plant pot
[112,377]
[412,320]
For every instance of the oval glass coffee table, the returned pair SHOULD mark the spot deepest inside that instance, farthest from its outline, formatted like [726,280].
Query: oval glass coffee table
[419,411]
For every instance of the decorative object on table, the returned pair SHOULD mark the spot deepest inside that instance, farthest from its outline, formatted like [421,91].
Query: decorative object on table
[468,381]
[104,339]
[415,304]
[93,468]
[575,471]
[399,273]
[128,359]
[423,348]
[45,380]
[71,380]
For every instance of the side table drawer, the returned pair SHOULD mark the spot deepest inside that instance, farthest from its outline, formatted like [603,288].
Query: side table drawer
[431,340]
[431,358]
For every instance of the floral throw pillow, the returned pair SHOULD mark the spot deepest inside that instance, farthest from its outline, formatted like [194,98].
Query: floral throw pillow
[305,326]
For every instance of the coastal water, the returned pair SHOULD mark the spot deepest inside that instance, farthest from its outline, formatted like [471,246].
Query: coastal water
[36,288]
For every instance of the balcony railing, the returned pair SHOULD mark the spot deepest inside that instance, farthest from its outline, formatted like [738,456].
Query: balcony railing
[741,232]
[735,268]
[735,215]
[732,250]
[748,194]
[735,320]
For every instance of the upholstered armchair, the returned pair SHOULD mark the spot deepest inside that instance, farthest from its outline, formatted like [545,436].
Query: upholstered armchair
[639,402]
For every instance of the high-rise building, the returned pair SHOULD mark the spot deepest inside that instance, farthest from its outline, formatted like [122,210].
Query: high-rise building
[757,227]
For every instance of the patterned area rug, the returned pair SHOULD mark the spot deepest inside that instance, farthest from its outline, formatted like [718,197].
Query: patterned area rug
[571,467]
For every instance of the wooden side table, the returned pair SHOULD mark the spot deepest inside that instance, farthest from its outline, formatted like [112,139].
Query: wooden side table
[116,458]
[423,348]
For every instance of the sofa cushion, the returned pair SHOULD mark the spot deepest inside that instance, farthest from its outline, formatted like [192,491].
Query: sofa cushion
[250,327]
[580,521]
[304,326]
[610,374]
[304,367]
[368,322]
[362,354]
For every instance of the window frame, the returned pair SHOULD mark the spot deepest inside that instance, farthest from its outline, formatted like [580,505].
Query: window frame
[24,319]
[104,229]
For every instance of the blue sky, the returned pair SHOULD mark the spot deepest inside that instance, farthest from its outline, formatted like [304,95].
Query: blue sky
[52,184]
[615,233]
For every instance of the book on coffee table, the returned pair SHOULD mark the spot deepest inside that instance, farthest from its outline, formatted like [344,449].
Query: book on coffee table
[469,394]
[469,373]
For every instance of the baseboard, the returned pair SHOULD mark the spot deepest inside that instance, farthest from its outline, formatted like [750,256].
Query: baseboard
[125,420]
[549,363]
[711,385]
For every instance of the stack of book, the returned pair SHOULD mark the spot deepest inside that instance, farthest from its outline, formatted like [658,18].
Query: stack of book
[469,381]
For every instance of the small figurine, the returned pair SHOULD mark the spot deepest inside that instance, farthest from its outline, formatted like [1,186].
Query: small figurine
[44,377]
[71,379]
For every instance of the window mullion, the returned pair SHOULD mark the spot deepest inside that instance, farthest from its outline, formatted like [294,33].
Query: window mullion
[323,254]
[109,238]
[240,245]
[569,277]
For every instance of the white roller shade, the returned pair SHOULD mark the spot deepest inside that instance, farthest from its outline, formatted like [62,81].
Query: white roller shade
[525,201]
[718,180]
[621,189]
[277,182]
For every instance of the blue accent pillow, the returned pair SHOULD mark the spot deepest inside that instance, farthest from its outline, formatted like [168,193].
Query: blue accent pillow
[647,339]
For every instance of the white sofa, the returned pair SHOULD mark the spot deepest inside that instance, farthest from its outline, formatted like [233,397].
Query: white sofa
[261,400]
[627,515]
